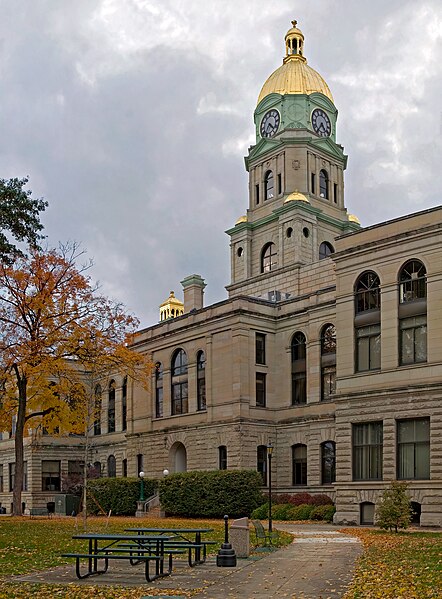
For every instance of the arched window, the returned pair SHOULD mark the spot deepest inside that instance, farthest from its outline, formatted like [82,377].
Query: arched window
[412,282]
[201,380]
[367,292]
[328,362]
[111,408]
[368,322]
[268,258]
[179,363]
[323,184]
[158,390]
[412,313]
[222,457]
[261,462]
[299,369]
[179,383]
[97,410]
[111,466]
[299,465]
[97,470]
[328,462]
[124,404]
[325,250]
[269,185]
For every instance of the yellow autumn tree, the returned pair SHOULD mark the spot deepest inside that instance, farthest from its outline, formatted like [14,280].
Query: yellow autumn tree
[58,337]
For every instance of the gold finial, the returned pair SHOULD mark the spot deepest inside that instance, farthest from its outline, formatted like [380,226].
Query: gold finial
[294,23]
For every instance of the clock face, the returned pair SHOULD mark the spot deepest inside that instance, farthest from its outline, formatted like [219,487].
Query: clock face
[270,123]
[321,123]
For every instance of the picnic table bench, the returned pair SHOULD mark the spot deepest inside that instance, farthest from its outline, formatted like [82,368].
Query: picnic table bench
[182,539]
[115,546]
[39,511]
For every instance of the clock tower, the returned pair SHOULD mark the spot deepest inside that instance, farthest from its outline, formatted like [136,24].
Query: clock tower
[296,179]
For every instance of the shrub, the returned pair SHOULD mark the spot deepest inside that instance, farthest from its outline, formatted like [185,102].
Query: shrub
[321,499]
[394,509]
[323,512]
[261,512]
[281,511]
[300,512]
[211,494]
[300,499]
[117,494]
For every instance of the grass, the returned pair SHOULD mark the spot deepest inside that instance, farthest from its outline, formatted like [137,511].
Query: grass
[404,565]
[29,545]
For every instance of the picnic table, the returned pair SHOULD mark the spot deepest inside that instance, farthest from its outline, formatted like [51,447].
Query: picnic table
[191,539]
[134,548]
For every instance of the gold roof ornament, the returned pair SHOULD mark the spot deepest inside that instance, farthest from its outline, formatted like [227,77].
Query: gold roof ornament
[353,219]
[171,308]
[296,196]
[295,76]
[241,219]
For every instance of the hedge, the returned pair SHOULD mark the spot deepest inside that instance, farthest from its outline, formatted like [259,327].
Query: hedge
[117,494]
[289,511]
[211,494]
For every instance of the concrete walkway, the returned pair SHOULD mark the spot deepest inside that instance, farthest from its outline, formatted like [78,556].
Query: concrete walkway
[318,564]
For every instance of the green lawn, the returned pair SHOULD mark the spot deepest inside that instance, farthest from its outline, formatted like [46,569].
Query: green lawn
[28,545]
[404,565]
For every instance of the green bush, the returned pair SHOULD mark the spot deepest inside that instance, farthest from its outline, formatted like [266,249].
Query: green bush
[394,509]
[261,512]
[211,494]
[323,512]
[117,494]
[288,511]
[300,512]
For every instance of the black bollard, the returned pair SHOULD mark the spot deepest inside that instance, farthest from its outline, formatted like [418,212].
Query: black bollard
[226,555]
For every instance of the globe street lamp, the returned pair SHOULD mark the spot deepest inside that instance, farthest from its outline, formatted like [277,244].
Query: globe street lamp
[269,456]
[141,475]
[165,472]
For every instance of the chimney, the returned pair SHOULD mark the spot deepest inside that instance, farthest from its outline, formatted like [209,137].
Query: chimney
[193,287]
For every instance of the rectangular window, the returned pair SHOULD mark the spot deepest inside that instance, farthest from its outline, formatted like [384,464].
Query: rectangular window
[335,193]
[50,475]
[367,451]
[222,457]
[257,193]
[313,182]
[12,476]
[140,463]
[260,345]
[179,398]
[413,340]
[299,388]
[1,478]
[159,402]
[279,184]
[124,468]
[328,387]
[261,462]
[413,449]
[261,389]
[368,348]
[201,393]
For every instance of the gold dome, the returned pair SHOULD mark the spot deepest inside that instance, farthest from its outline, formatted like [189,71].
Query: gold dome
[171,308]
[296,196]
[295,76]
[353,219]
[241,219]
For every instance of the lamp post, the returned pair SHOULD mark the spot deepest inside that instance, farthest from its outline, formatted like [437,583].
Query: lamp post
[269,457]
[141,475]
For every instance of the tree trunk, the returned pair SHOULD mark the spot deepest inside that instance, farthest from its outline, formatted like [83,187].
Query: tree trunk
[18,441]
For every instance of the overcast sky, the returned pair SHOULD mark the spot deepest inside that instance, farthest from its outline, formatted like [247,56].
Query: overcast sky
[132,118]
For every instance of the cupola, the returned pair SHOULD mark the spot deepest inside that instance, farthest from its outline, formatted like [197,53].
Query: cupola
[295,76]
[171,308]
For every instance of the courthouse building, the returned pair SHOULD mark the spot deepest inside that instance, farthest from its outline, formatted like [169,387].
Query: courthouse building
[329,343]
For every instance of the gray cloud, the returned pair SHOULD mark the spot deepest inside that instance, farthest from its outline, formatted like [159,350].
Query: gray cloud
[132,118]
